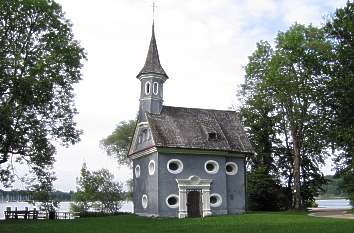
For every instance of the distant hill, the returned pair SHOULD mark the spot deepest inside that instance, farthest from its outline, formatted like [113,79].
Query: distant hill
[23,195]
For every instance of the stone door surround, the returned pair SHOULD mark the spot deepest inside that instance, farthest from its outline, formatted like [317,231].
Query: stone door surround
[193,182]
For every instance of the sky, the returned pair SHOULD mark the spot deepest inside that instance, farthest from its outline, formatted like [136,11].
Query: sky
[203,47]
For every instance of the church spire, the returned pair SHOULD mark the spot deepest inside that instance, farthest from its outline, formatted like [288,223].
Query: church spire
[152,63]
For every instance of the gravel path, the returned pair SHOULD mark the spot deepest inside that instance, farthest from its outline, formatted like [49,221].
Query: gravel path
[343,213]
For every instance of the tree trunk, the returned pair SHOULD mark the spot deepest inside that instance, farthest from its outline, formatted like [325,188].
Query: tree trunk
[296,164]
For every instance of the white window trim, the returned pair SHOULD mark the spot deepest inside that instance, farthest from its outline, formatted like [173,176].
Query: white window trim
[218,198]
[180,166]
[146,89]
[137,171]
[144,201]
[155,90]
[175,205]
[235,168]
[151,169]
[216,165]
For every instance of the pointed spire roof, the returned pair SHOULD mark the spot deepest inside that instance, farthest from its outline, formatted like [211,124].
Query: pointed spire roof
[152,63]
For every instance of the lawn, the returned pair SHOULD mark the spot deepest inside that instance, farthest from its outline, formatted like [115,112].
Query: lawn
[246,223]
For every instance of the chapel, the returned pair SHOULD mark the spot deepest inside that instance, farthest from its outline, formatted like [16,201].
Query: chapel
[187,162]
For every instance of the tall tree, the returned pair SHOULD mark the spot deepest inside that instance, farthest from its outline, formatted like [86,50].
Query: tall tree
[97,190]
[292,82]
[340,29]
[40,61]
[117,144]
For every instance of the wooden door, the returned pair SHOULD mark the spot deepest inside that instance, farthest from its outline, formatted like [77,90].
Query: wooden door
[193,204]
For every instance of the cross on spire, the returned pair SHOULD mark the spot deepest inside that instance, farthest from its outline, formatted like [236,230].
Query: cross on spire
[153,11]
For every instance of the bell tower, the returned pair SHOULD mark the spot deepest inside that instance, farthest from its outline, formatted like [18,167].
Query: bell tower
[152,77]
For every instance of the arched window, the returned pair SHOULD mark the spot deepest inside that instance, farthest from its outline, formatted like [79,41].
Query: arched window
[144,201]
[151,167]
[155,88]
[137,171]
[147,88]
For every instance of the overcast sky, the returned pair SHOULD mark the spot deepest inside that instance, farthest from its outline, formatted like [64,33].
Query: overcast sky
[203,47]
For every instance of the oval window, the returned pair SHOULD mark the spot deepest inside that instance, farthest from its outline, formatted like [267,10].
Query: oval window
[174,166]
[144,201]
[231,168]
[172,201]
[211,166]
[137,171]
[151,167]
[147,88]
[155,88]
[215,200]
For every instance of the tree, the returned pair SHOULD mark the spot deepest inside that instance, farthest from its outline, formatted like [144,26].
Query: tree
[39,63]
[97,190]
[42,192]
[117,144]
[288,86]
[340,29]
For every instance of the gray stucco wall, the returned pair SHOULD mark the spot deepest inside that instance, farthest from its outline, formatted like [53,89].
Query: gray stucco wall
[159,186]
[192,165]
[146,184]
[236,187]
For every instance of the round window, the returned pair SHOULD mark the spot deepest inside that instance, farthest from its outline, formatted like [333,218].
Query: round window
[231,168]
[151,167]
[144,201]
[174,166]
[215,200]
[211,166]
[137,171]
[172,201]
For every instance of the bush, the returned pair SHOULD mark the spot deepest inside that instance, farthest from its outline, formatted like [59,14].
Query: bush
[264,193]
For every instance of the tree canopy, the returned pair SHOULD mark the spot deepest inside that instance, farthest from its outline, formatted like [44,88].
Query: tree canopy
[283,98]
[117,144]
[40,61]
[96,190]
[340,29]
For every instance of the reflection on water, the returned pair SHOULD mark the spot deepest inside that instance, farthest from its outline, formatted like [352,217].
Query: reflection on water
[334,203]
[64,207]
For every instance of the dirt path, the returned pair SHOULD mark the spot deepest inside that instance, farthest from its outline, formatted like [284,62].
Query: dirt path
[331,213]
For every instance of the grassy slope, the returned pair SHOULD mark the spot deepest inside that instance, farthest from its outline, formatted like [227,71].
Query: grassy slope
[248,223]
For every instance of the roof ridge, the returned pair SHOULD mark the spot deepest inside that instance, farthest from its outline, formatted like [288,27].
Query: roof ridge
[209,109]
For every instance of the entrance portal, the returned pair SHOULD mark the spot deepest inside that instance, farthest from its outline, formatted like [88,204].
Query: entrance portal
[194,195]
[193,204]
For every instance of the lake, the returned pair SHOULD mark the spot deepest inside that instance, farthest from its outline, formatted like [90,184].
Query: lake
[64,207]
[128,206]
[334,203]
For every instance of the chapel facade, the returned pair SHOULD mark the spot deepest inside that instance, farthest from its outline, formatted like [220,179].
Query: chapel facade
[187,162]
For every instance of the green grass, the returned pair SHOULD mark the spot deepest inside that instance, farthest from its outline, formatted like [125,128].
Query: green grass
[288,222]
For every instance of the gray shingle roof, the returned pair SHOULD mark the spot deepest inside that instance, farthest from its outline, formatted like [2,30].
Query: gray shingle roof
[193,128]
[152,63]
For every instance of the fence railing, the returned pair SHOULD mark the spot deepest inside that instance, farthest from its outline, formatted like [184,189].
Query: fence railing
[35,214]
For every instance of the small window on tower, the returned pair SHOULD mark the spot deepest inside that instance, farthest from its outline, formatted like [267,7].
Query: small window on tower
[212,136]
[147,88]
[156,88]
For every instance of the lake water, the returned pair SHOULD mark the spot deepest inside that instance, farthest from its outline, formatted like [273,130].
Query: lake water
[334,203]
[64,207]
[128,206]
